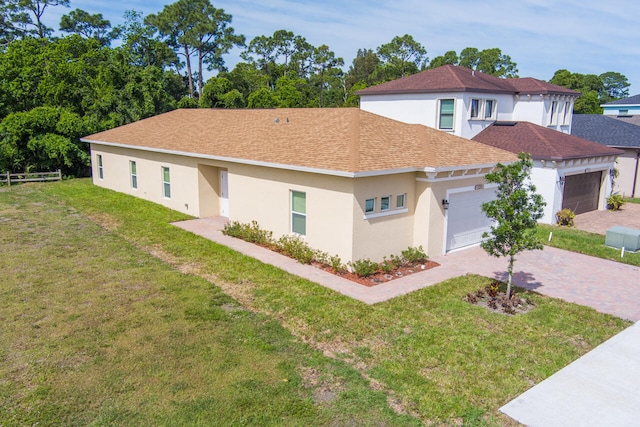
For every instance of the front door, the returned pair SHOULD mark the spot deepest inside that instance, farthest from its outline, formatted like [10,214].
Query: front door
[224,194]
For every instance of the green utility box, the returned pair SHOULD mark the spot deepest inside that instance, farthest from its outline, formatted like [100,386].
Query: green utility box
[623,237]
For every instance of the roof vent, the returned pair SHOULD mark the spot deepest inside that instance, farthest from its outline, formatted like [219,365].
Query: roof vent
[276,121]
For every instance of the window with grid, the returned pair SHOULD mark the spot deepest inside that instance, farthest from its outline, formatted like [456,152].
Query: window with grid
[299,212]
[134,174]
[100,170]
[166,182]
[446,114]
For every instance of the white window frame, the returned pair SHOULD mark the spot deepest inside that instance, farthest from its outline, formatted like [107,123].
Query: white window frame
[402,197]
[299,214]
[382,203]
[492,112]
[166,184]
[478,103]
[133,172]
[553,113]
[453,114]
[565,113]
[100,168]
[373,208]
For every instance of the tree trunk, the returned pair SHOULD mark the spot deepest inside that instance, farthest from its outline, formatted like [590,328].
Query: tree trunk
[200,78]
[187,59]
[509,275]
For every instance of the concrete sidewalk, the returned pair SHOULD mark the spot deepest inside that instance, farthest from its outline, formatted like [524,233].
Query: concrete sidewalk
[599,389]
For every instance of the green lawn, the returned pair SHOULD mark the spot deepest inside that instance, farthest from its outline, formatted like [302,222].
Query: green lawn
[633,200]
[584,242]
[112,316]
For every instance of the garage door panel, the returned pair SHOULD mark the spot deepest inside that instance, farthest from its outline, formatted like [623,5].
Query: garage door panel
[466,223]
[582,192]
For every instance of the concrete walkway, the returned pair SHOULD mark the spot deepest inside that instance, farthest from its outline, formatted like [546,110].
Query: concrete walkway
[607,286]
[602,388]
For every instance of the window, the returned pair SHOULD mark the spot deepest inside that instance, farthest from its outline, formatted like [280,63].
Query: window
[369,205]
[100,171]
[489,109]
[299,212]
[400,201]
[166,182]
[385,203]
[474,111]
[134,174]
[446,114]
[554,110]
[623,112]
[567,110]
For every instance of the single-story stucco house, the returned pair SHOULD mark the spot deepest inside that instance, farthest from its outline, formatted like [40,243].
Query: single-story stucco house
[351,183]
[609,131]
[569,172]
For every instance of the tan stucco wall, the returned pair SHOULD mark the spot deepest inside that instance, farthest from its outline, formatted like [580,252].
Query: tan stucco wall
[336,221]
[183,176]
[383,233]
[628,174]
[264,195]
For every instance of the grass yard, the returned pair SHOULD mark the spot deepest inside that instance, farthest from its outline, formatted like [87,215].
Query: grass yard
[633,200]
[584,242]
[112,316]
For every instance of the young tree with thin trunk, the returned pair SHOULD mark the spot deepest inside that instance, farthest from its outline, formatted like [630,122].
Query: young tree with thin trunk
[515,212]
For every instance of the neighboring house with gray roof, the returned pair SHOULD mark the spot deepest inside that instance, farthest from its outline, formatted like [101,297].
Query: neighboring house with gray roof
[349,182]
[607,130]
[463,102]
[569,172]
[623,107]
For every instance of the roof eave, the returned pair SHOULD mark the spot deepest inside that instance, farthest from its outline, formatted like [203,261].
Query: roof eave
[439,90]
[298,168]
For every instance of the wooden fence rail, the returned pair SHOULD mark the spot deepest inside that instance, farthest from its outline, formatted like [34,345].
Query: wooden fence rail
[10,178]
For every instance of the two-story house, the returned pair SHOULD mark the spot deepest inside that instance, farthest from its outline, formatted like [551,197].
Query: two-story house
[464,102]
[569,172]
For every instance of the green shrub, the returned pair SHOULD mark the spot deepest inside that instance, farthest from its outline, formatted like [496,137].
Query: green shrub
[387,265]
[565,217]
[296,248]
[249,233]
[336,264]
[364,267]
[615,202]
[414,255]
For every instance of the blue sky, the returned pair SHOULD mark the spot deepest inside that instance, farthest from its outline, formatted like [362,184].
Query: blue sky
[541,36]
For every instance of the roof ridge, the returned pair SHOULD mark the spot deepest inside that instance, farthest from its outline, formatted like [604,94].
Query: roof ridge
[354,139]
[452,69]
[538,131]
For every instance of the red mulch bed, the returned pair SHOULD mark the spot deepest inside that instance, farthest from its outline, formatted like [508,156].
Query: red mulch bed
[381,277]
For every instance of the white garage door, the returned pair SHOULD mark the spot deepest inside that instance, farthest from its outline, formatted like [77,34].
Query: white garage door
[465,220]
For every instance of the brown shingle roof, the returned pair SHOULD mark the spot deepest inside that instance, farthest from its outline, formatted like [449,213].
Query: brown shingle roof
[451,78]
[542,143]
[339,139]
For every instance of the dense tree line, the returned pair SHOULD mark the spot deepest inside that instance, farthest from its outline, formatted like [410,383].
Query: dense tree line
[53,90]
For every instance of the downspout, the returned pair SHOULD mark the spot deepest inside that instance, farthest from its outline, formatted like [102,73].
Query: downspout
[635,175]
